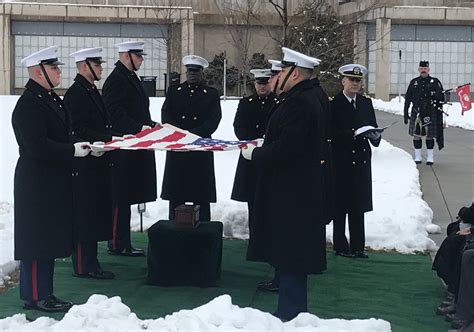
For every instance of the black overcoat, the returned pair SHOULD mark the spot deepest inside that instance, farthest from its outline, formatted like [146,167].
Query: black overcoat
[352,155]
[251,120]
[92,194]
[189,176]
[288,200]
[134,180]
[43,195]
[326,152]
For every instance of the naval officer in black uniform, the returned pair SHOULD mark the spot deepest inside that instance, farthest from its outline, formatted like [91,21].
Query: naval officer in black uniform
[352,161]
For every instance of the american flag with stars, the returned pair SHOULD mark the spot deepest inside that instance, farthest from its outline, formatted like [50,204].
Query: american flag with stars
[169,138]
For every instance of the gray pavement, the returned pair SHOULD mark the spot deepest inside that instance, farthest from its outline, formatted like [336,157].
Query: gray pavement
[449,183]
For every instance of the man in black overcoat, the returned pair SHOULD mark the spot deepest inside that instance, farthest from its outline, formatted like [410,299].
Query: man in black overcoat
[43,180]
[352,161]
[134,177]
[91,122]
[250,123]
[426,117]
[194,106]
[289,194]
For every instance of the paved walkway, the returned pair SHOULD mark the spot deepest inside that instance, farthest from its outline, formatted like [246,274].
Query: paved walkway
[449,183]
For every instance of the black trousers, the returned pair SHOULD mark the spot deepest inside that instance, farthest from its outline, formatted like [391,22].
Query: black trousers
[204,210]
[465,301]
[356,233]
[121,228]
[292,295]
[84,257]
[36,279]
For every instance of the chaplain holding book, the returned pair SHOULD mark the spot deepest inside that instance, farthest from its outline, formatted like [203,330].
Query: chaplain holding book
[353,126]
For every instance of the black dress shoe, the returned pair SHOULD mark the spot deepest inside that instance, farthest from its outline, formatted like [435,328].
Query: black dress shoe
[268,286]
[99,274]
[450,317]
[131,252]
[360,254]
[429,163]
[462,324]
[446,310]
[50,304]
[344,254]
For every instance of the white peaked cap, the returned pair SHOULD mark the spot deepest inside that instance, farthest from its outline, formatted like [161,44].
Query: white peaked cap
[195,61]
[276,65]
[132,45]
[292,57]
[47,56]
[94,54]
[353,70]
[261,73]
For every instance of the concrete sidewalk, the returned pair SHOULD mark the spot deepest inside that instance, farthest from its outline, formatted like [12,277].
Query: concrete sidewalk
[449,183]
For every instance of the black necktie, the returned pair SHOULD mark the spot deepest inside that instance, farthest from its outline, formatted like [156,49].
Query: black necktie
[353,103]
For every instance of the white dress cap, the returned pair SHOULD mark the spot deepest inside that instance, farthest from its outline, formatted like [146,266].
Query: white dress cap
[135,46]
[46,56]
[276,65]
[353,70]
[261,73]
[195,61]
[93,54]
[294,58]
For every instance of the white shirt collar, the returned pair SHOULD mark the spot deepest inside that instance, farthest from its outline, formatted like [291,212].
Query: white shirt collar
[349,98]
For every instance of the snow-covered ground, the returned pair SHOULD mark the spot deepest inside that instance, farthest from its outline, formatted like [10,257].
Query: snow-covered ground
[101,313]
[453,117]
[399,221]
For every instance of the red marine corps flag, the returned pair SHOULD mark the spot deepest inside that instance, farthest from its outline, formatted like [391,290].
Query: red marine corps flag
[464,94]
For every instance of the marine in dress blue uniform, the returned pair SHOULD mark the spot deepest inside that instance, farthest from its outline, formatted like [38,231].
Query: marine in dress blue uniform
[43,190]
[134,172]
[91,122]
[193,106]
[289,195]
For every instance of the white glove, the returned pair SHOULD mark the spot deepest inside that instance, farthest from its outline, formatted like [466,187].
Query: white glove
[247,151]
[97,153]
[259,142]
[145,127]
[81,149]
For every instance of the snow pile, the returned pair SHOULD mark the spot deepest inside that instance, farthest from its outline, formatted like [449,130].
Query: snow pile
[101,313]
[454,118]
[7,264]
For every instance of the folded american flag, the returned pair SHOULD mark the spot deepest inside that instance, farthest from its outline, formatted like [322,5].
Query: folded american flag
[170,138]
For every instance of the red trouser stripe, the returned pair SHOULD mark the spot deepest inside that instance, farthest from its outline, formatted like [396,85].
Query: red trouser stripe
[79,258]
[114,231]
[34,279]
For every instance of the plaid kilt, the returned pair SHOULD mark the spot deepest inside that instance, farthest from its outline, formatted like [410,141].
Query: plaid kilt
[430,131]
